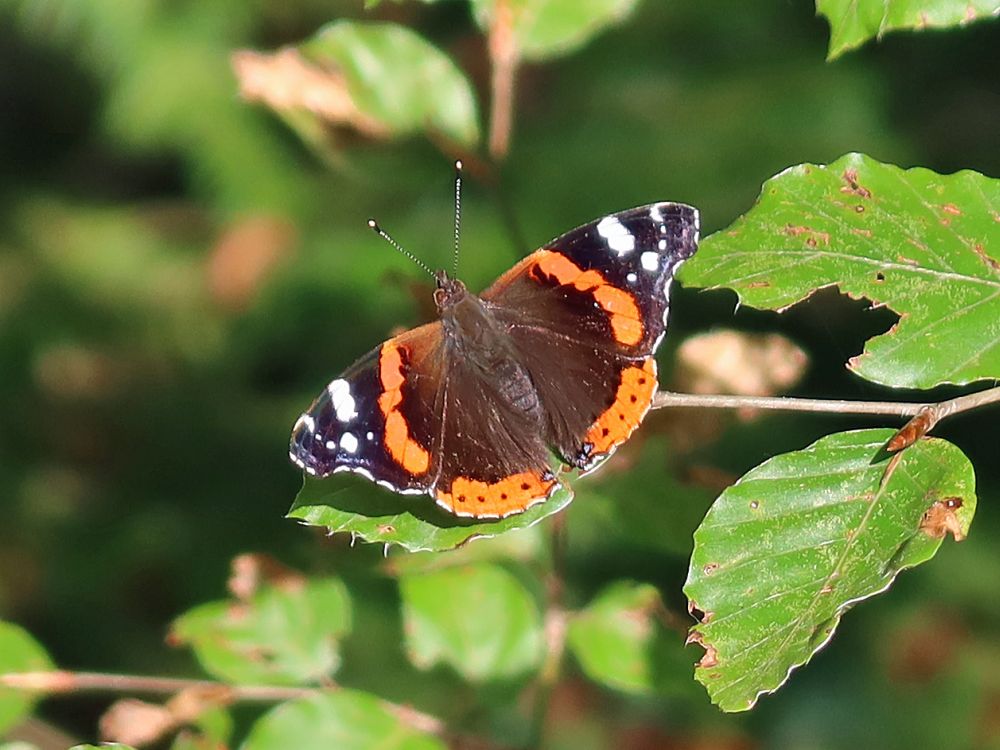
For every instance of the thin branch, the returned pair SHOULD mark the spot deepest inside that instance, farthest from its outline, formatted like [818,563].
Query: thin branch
[665,399]
[555,625]
[503,59]
[90,682]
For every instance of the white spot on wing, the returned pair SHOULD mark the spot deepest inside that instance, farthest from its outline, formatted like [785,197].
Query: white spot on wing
[650,260]
[655,214]
[349,442]
[330,445]
[631,278]
[343,401]
[662,245]
[306,420]
[616,235]
[370,435]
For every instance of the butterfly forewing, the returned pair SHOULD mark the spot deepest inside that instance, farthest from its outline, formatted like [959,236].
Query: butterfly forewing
[374,419]
[587,312]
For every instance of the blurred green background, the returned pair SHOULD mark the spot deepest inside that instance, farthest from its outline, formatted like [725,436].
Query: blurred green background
[179,276]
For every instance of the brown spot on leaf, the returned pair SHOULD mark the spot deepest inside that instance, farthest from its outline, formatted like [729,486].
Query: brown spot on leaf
[710,658]
[853,187]
[910,261]
[952,209]
[386,528]
[710,568]
[979,250]
[940,519]
[813,237]
[758,284]
[862,232]
[879,276]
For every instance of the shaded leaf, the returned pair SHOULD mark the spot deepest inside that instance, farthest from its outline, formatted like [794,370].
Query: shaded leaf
[380,79]
[549,28]
[789,548]
[349,504]
[479,619]
[643,507]
[346,720]
[19,652]
[923,244]
[282,635]
[103,746]
[854,22]
[620,642]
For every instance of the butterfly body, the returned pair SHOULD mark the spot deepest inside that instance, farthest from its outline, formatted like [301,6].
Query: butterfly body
[555,357]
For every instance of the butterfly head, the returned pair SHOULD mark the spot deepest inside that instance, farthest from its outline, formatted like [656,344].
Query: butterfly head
[449,291]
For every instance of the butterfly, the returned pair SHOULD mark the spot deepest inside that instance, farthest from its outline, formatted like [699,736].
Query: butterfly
[555,357]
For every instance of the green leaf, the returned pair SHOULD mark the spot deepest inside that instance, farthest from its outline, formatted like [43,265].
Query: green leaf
[103,746]
[398,78]
[346,720]
[283,635]
[923,244]
[792,545]
[349,504]
[19,652]
[550,28]
[854,22]
[479,619]
[619,640]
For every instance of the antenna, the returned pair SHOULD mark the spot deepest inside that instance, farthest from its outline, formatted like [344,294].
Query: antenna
[458,210]
[378,230]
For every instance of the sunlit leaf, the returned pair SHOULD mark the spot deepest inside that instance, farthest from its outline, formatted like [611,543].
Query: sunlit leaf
[619,640]
[19,652]
[346,720]
[801,538]
[283,634]
[550,28]
[923,244]
[479,619]
[350,504]
[854,22]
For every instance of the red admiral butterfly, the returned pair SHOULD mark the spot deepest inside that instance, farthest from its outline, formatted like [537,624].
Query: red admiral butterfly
[557,355]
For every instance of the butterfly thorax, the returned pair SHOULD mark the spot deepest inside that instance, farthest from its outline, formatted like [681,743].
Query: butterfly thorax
[477,339]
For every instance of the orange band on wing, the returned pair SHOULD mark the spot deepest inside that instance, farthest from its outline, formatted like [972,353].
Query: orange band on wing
[626,322]
[404,450]
[513,494]
[632,400]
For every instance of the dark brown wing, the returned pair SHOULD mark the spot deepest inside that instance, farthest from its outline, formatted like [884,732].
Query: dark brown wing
[586,313]
[493,457]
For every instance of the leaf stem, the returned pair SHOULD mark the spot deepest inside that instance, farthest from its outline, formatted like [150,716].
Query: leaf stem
[503,58]
[62,681]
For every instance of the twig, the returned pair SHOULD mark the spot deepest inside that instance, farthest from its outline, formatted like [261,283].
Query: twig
[665,399]
[77,682]
[556,622]
[503,60]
